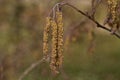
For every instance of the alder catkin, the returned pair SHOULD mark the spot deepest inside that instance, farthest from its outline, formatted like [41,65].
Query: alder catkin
[55,24]
[54,52]
[57,43]
[112,5]
[45,36]
[60,38]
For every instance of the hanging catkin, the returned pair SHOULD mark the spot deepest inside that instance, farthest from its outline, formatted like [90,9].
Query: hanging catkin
[55,23]
[57,42]
[60,37]
[112,5]
[45,36]
[54,52]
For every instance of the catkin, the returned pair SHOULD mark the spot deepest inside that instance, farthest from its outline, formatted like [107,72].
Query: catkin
[57,43]
[54,55]
[112,8]
[45,36]
[112,5]
[55,24]
[60,38]
[118,14]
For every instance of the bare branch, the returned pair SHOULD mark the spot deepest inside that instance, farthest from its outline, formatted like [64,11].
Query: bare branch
[89,17]
[32,66]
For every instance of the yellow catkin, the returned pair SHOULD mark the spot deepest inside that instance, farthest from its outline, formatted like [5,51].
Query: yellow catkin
[118,14]
[45,36]
[112,8]
[112,5]
[60,38]
[54,29]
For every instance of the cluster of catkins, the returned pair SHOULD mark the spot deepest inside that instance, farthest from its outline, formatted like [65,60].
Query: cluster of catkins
[55,24]
[113,17]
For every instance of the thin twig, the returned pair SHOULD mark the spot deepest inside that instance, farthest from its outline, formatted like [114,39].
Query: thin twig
[34,65]
[98,24]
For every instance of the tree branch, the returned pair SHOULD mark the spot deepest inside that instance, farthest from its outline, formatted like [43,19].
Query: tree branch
[98,25]
[34,65]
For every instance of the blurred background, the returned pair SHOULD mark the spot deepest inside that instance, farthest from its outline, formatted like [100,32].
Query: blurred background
[90,53]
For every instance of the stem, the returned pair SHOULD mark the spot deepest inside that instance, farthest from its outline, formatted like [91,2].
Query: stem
[89,17]
[29,69]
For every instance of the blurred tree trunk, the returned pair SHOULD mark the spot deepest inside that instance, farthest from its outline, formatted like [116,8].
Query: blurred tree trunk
[16,24]
[15,39]
[7,69]
[1,71]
